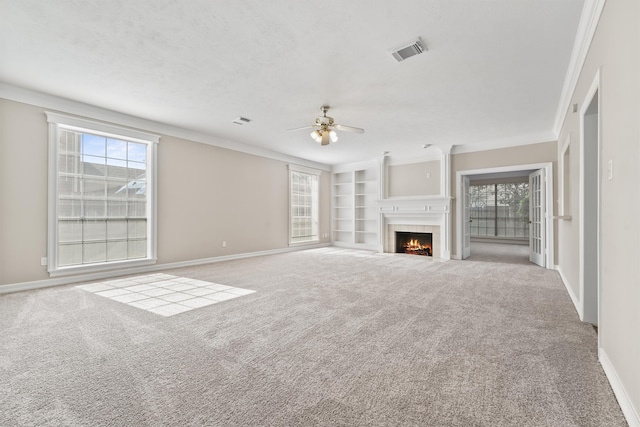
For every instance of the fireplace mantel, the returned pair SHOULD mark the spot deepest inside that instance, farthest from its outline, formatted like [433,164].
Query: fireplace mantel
[434,205]
[434,211]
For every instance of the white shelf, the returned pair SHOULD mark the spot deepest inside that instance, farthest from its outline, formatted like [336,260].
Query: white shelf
[356,190]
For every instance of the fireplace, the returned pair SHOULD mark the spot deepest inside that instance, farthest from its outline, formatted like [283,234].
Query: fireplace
[414,243]
[413,215]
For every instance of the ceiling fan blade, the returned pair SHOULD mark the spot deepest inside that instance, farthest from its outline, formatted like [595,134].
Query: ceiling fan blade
[304,127]
[348,128]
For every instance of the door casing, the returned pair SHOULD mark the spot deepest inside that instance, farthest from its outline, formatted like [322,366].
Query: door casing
[589,207]
[466,220]
[549,232]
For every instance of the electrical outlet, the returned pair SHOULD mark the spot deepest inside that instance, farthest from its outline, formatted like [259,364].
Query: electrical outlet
[43,261]
[224,243]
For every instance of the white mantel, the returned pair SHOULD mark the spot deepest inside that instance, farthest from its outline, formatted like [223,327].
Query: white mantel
[434,211]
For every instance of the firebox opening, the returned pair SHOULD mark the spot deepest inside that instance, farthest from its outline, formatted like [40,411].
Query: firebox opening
[414,243]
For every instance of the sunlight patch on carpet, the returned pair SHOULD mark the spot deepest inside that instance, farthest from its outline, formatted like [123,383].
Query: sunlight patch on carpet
[164,294]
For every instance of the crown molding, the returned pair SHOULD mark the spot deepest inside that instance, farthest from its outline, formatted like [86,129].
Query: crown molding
[408,160]
[589,19]
[27,96]
[348,167]
[538,138]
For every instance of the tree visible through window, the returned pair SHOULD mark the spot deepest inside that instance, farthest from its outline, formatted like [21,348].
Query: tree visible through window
[500,210]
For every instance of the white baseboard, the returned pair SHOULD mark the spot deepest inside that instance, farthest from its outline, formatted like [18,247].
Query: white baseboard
[629,411]
[37,284]
[357,246]
[574,298]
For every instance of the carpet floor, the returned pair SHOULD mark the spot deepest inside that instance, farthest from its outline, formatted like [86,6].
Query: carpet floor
[330,337]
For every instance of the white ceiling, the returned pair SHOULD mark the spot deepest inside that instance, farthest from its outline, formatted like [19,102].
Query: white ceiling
[494,69]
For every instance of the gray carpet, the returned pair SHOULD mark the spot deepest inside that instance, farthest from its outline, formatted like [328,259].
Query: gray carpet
[331,337]
[501,253]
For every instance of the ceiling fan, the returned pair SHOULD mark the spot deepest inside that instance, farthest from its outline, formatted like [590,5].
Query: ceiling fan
[324,130]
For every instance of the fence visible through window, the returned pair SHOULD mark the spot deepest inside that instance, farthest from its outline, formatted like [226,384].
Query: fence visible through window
[500,210]
[102,199]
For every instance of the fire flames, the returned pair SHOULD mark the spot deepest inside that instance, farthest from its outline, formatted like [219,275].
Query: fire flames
[413,246]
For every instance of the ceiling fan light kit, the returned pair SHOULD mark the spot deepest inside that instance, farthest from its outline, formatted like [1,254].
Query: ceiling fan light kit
[324,136]
[324,129]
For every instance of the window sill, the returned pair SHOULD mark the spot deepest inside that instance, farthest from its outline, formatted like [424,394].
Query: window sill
[96,268]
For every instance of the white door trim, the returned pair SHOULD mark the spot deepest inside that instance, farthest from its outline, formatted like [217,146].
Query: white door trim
[547,166]
[466,218]
[585,315]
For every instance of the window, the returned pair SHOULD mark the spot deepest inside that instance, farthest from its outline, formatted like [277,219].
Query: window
[303,205]
[101,204]
[500,210]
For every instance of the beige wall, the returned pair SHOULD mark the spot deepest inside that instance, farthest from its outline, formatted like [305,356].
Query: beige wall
[206,195]
[23,192]
[522,155]
[615,51]
[415,179]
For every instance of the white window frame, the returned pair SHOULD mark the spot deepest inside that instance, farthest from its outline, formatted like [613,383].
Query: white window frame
[60,121]
[310,171]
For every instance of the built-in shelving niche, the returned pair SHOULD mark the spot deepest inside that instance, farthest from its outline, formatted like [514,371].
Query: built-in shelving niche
[355,208]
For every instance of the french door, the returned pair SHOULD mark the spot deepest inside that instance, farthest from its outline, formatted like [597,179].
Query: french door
[466,238]
[537,217]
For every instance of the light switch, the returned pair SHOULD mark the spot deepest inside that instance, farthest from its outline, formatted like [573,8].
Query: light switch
[610,169]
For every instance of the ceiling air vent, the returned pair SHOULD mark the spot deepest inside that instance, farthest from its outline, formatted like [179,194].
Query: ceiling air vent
[412,48]
[241,120]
